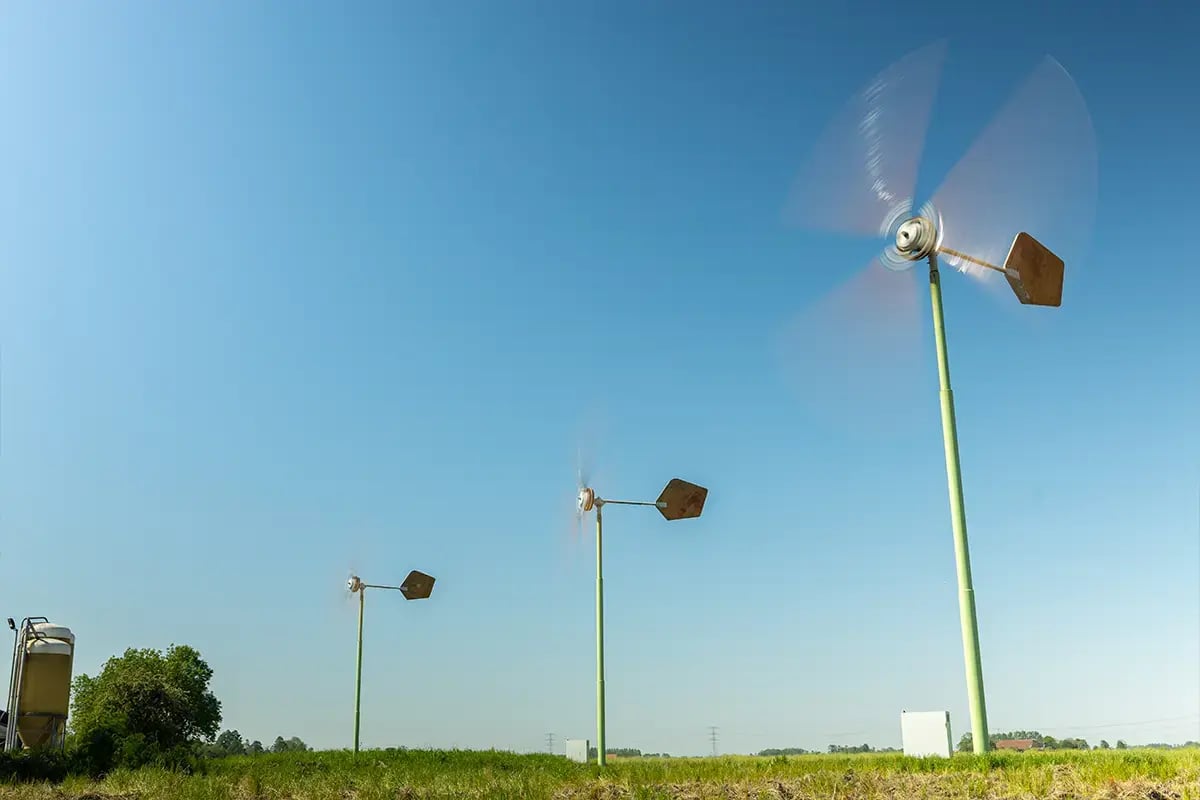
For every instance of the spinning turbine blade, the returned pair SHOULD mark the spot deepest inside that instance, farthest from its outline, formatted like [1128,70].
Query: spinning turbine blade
[865,162]
[587,438]
[855,357]
[339,600]
[584,470]
[571,530]
[1032,169]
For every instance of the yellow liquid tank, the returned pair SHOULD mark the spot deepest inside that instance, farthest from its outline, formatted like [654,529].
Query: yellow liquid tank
[45,690]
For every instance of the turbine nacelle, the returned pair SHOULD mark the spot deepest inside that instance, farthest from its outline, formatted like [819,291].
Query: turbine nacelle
[587,500]
[916,238]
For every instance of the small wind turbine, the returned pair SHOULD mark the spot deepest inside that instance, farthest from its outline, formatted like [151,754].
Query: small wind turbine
[417,586]
[1033,167]
[678,500]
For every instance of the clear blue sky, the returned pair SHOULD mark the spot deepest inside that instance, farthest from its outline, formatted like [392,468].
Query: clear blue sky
[288,288]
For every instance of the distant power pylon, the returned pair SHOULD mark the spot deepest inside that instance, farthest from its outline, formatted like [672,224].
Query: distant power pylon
[550,743]
[712,735]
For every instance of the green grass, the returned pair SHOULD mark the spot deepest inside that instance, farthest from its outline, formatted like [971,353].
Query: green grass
[407,775]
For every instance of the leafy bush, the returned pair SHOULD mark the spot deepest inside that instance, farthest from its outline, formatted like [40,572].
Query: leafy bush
[29,766]
[93,752]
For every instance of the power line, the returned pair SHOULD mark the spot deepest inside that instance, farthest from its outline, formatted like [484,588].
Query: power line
[712,735]
[550,743]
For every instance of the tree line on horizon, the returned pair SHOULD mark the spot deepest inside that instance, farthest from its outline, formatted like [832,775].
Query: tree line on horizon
[839,749]
[231,743]
[1042,741]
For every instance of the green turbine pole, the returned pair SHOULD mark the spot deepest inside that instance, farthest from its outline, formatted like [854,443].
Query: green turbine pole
[600,752]
[958,518]
[362,598]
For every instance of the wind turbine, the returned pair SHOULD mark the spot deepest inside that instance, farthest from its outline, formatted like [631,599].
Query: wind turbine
[1033,170]
[417,586]
[678,500]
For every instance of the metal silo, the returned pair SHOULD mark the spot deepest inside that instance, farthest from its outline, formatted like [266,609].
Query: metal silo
[39,692]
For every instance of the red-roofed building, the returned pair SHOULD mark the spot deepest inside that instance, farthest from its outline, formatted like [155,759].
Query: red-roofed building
[1015,744]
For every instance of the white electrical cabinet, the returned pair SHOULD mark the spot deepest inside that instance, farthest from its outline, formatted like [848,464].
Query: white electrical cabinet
[925,733]
[577,750]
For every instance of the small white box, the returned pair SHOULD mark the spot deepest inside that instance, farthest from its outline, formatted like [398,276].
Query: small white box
[925,733]
[577,750]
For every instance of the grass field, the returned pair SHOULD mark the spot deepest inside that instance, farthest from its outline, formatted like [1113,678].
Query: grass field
[407,775]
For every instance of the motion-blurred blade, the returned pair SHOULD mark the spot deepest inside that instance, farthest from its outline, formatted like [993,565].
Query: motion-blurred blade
[854,359]
[341,600]
[584,473]
[568,533]
[575,518]
[1032,169]
[865,161]
[588,433]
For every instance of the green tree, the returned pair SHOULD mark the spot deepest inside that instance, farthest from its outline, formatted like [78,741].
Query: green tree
[144,707]
[1121,745]
[292,745]
[256,748]
[230,743]
[1104,745]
